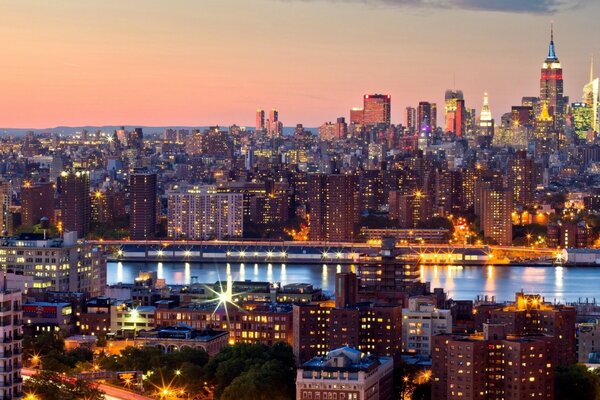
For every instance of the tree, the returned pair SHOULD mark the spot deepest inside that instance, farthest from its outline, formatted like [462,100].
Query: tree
[52,386]
[575,382]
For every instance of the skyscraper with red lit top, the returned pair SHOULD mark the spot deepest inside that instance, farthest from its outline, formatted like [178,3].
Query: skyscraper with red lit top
[551,86]
[376,109]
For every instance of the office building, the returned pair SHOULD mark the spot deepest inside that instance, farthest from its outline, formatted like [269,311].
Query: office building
[260,120]
[453,112]
[410,120]
[75,202]
[142,191]
[376,109]
[486,121]
[591,98]
[356,116]
[346,374]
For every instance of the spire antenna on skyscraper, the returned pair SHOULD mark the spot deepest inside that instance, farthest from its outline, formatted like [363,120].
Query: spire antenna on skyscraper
[551,49]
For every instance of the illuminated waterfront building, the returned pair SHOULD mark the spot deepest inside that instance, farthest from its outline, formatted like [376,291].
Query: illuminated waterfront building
[201,212]
[376,109]
[56,265]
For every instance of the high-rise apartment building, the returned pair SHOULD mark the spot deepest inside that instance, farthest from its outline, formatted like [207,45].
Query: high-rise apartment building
[200,212]
[37,201]
[5,202]
[496,210]
[333,202]
[142,191]
[551,86]
[492,366]
[410,209]
[376,109]
[75,202]
[11,334]
[521,179]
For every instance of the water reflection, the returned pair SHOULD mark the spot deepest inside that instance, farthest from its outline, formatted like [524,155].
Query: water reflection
[560,283]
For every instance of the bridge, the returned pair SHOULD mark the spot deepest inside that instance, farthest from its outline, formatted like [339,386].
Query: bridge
[261,251]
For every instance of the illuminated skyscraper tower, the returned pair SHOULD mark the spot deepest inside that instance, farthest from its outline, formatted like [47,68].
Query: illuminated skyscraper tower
[452,115]
[486,122]
[551,86]
[590,96]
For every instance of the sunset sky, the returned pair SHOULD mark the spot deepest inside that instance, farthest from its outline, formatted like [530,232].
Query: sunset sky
[204,62]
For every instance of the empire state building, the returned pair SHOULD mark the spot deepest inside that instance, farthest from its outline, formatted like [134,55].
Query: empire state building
[551,86]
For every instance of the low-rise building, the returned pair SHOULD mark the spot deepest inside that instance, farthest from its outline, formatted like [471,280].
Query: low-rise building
[346,374]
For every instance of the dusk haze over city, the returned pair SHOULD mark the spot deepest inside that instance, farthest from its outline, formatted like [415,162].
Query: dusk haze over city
[300,200]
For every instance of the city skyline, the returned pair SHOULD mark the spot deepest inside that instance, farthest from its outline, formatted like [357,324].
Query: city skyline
[161,65]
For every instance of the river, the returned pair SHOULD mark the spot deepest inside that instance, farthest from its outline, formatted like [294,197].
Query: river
[563,284]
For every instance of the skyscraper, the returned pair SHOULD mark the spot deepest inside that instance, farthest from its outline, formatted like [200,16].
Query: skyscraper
[376,109]
[486,122]
[274,126]
[424,118]
[521,179]
[260,120]
[75,202]
[410,120]
[356,116]
[591,97]
[142,189]
[452,113]
[551,86]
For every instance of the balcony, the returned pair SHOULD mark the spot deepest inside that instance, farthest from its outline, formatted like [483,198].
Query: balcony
[8,368]
[6,383]
[6,354]
[7,339]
